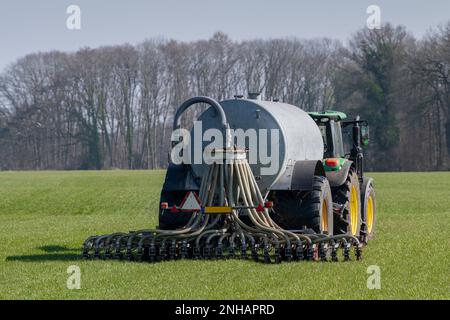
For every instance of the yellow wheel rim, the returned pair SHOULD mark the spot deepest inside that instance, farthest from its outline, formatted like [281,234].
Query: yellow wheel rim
[369,214]
[324,218]
[354,210]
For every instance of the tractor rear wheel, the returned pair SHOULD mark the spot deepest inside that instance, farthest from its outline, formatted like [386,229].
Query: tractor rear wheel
[347,197]
[368,213]
[312,209]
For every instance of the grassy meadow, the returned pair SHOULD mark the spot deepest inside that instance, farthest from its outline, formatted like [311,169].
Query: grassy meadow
[45,217]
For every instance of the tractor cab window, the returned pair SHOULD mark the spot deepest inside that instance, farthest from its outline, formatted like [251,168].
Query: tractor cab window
[326,137]
[323,131]
[347,137]
[332,138]
[336,133]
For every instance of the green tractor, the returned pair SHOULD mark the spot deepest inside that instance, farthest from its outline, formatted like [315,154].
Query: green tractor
[353,193]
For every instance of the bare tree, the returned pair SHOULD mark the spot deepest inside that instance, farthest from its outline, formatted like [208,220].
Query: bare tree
[112,106]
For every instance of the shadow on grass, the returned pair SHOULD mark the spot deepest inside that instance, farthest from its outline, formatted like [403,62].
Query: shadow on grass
[56,248]
[55,253]
[45,257]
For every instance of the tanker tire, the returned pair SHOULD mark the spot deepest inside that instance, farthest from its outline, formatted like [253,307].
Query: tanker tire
[313,208]
[308,207]
[341,196]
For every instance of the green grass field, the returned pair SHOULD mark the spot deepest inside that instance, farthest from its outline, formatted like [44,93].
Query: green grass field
[45,217]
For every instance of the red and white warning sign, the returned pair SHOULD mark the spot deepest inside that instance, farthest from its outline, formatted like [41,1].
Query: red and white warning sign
[191,202]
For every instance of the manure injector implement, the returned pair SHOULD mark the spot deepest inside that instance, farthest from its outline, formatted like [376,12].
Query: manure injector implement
[309,200]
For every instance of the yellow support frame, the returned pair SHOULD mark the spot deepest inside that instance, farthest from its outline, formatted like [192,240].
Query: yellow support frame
[218,210]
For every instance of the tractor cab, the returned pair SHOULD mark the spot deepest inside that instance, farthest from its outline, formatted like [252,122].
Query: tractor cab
[329,123]
[342,138]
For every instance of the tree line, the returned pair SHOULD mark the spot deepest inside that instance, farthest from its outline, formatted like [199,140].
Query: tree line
[112,107]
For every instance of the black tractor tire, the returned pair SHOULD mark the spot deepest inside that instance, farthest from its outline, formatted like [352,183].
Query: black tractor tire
[369,216]
[347,217]
[294,210]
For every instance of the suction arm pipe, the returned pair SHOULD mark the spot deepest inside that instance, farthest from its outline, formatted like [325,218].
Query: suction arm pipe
[200,99]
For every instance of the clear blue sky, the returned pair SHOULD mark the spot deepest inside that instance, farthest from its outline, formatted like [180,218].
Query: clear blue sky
[30,26]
